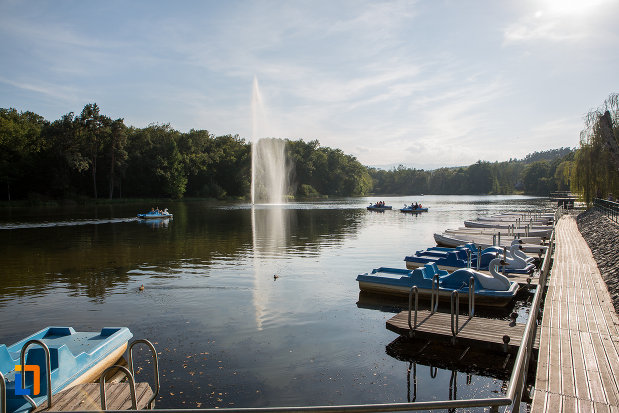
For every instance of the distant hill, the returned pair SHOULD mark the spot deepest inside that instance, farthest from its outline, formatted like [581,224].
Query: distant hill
[549,155]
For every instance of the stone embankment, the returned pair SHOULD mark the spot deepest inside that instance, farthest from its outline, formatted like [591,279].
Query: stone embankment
[602,236]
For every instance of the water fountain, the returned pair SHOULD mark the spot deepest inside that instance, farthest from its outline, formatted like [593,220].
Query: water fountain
[269,185]
[269,173]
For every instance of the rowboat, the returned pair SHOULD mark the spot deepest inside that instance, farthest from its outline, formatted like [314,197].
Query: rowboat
[75,358]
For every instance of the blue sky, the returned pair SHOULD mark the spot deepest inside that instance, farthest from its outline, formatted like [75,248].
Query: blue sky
[424,84]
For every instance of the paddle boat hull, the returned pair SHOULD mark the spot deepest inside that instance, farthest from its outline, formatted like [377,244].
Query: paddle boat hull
[452,259]
[413,210]
[76,358]
[155,215]
[530,244]
[381,208]
[398,282]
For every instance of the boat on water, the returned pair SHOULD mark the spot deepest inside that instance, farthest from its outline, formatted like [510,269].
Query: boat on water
[379,207]
[468,255]
[492,289]
[411,209]
[156,215]
[75,358]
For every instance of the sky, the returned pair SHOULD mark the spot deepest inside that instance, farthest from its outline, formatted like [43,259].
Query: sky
[424,84]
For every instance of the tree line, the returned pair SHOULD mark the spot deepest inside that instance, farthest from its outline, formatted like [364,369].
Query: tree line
[595,167]
[536,174]
[90,155]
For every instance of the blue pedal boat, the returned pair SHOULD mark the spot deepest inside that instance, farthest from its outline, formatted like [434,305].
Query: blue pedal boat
[75,358]
[412,210]
[452,259]
[494,290]
[155,215]
[381,208]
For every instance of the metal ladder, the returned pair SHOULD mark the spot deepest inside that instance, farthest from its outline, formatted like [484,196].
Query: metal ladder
[455,305]
[128,372]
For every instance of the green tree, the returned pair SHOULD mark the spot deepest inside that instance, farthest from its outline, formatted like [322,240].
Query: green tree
[20,142]
[597,158]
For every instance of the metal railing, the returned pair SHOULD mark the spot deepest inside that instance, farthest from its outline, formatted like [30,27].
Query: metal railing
[609,208]
[155,365]
[48,365]
[3,394]
[134,403]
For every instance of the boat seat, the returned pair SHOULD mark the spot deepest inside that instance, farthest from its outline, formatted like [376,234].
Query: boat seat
[7,364]
[429,271]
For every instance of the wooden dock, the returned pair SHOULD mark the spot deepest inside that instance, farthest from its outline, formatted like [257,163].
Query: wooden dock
[86,397]
[476,332]
[578,364]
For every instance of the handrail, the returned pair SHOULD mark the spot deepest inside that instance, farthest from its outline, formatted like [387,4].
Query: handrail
[134,403]
[48,365]
[2,394]
[471,297]
[454,329]
[610,208]
[155,364]
[435,288]
[412,328]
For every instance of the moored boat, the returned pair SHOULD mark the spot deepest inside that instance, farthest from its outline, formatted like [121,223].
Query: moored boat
[492,289]
[532,245]
[75,358]
[467,256]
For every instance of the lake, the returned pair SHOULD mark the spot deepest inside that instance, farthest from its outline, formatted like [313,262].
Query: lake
[247,307]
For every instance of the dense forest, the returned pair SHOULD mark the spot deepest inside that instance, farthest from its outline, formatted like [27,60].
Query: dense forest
[91,155]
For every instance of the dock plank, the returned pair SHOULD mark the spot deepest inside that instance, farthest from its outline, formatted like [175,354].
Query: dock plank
[481,332]
[578,363]
[86,397]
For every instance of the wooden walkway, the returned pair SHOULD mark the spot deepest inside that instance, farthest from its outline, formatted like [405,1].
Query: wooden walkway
[87,397]
[578,364]
[476,332]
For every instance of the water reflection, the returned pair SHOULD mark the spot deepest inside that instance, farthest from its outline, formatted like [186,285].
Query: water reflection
[156,222]
[444,365]
[270,240]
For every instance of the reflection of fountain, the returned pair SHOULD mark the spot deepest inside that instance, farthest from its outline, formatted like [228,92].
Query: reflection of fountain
[270,241]
[269,183]
[269,175]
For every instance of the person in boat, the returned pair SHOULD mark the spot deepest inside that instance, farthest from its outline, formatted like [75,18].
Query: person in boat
[416,206]
[165,211]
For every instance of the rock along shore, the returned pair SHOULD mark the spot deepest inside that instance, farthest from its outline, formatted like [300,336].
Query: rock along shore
[602,236]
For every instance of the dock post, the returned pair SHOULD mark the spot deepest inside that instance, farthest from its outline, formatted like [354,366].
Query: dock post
[455,311]
[433,301]
[414,288]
